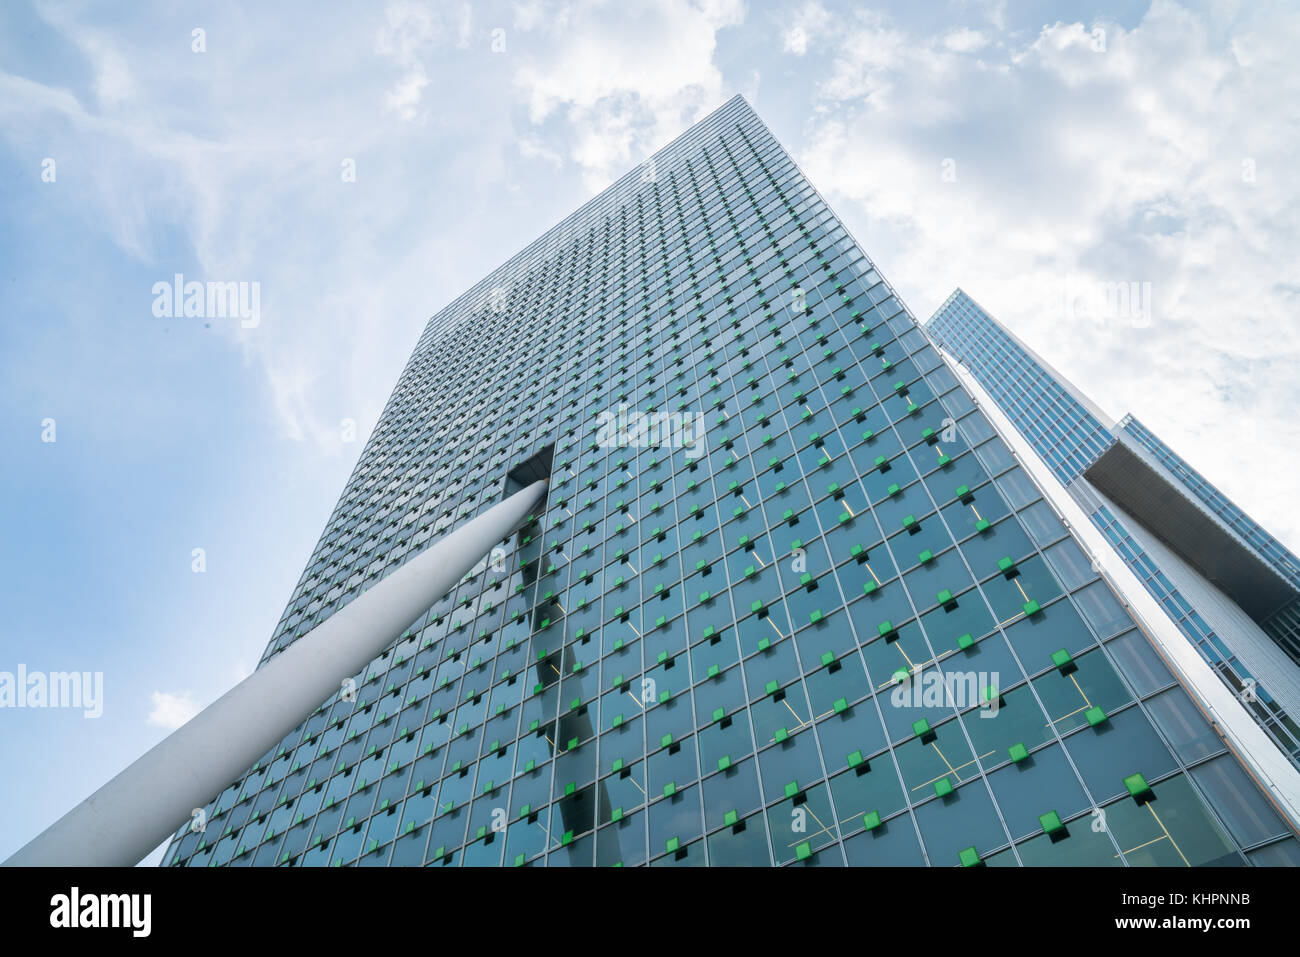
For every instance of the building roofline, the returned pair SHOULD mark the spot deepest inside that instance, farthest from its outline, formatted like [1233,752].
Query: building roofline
[1107,421]
[553,234]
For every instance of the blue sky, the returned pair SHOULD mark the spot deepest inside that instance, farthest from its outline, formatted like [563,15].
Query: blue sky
[1020,150]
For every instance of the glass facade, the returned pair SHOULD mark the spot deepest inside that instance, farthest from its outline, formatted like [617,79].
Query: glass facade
[1268,547]
[790,598]
[1068,434]
[1284,625]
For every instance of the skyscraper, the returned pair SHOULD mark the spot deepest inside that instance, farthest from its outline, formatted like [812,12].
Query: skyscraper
[1230,587]
[790,597]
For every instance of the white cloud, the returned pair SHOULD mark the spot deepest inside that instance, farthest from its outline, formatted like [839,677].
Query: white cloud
[412,32]
[413,27]
[995,11]
[965,40]
[171,709]
[404,97]
[207,150]
[243,177]
[626,77]
[866,57]
[807,26]
[113,81]
[533,148]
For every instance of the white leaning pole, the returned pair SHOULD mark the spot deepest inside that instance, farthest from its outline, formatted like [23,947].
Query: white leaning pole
[132,814]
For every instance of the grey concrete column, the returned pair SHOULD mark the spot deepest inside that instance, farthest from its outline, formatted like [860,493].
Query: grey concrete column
[133,813]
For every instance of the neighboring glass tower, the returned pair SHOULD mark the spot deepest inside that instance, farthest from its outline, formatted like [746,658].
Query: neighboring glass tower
[790,599]
[1227,584]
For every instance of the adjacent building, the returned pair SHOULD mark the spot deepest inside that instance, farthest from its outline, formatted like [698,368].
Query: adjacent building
[790,599]
[1230,587]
